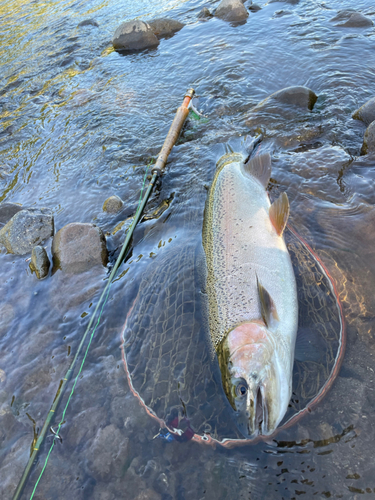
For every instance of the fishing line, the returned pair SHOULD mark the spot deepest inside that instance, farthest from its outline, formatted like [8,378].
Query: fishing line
[107,289]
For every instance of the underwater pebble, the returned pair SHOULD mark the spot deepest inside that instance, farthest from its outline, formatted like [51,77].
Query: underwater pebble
[26,229]
[40,263]
[231,11]
[134,35]
[113,204]
[6,317]
[3,376]
[89,22]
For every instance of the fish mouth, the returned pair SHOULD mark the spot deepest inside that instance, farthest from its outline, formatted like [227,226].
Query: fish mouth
[252,416]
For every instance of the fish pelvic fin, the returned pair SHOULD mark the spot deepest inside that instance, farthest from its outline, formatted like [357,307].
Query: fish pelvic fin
[260,168]
[279,213]
[267,306]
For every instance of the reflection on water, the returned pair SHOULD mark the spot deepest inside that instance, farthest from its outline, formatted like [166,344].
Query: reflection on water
[79,123]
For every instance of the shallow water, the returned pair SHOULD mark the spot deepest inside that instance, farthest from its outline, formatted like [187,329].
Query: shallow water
[80,123]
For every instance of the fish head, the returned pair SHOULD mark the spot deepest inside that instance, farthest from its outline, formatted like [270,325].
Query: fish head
[254,380]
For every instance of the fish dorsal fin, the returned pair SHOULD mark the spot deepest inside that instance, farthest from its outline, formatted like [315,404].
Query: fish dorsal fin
[260,168]
[279,213]
[267,305]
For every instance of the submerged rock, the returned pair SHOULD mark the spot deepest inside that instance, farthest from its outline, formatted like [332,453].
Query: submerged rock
[113,204]
[352,19]
[26,229]
[134,35]
[232,11]
[79,247]
[365,113]
[368,145]
[40,263]
[89,22]
[254,7]
[108,454]
[204,13]
[165,27]
[302,97]
[7,315]
[7,210]
[357,20]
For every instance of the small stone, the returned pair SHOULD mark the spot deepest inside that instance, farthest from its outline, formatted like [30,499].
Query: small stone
[204,13]
[79,247]
[254,7]
[366,113]
[134,35]
[165,27]
[40,263]
[26,229]
[148,495]
[113,204]
[7,210]
[357,20]
[3,376]
[368,145]
[232,11]
[89,22]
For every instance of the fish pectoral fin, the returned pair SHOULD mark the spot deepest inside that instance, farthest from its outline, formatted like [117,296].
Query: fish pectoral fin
[279,213]
[267,305]
[260,168]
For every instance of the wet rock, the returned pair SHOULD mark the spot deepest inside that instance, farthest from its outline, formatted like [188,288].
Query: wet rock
[204,13]
[357,20]
[365,113]
[291,2]
[113,204]
[89,22]
[232,11]
[26,229]
[78,247]
[7,210]
[302,97]
[39,262]
[254,7]
[108,454]
[368,145]
[134,35]
[163,26]
[85,426]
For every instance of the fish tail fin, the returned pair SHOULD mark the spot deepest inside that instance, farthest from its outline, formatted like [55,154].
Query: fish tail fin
[259,167]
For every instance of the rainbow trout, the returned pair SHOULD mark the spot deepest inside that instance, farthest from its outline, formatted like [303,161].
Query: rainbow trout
[251,289]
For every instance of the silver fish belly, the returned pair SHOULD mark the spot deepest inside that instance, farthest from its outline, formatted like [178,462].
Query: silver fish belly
[252,297]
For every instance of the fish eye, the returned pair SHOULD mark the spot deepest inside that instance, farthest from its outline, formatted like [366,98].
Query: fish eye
[240,388]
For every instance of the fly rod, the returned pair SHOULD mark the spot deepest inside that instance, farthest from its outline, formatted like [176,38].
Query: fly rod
[157,171]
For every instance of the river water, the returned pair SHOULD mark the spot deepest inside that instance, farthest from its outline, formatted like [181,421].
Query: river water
[79,122]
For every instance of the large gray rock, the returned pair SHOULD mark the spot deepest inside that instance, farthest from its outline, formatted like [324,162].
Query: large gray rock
[165,27]
[365,113]
[342,15]
[368,145]
[134,35]
[78,247]
[26,229]
[113,204]
[7,210]
[40,263]
[231,10]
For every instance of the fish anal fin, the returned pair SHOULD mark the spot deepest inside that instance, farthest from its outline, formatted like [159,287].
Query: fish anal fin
[279,213]
[267,305]
[260,168]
